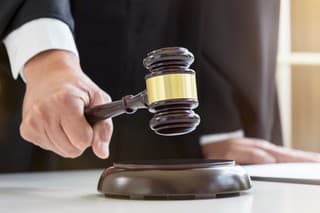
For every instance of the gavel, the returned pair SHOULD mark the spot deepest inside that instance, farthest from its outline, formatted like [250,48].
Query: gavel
[171,94]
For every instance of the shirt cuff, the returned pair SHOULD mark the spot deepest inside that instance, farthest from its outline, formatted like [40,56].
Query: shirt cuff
[34,37]
[214,138]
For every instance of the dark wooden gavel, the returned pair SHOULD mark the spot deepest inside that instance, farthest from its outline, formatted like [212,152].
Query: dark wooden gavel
[171,94]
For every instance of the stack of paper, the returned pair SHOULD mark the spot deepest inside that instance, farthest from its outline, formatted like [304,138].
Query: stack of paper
[305,173]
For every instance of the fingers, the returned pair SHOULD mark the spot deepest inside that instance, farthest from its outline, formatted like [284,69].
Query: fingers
[256,151]
[250,155]
[44,129]
[54,103]
[75,126]
[102,131]
[58,124]
[242,150]
[302,156]
[283,154]
[101,138]
[61,143]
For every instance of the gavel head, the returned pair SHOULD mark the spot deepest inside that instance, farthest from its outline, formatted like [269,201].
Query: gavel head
[171,91]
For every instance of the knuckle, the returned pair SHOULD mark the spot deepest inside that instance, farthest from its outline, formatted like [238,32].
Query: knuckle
[254,155]
[74,154]
[26,129]
[101,97]
[37,113]
[98,98]
[38,106]
[36,110]
[27,122]
[62,96]
[24,132]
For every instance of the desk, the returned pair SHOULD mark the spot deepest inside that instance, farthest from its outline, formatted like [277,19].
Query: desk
[76,192]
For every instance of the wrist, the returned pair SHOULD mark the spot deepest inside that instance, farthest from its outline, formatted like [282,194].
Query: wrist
[51,60]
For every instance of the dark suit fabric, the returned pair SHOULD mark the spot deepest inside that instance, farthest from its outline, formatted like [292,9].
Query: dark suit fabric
[234,43]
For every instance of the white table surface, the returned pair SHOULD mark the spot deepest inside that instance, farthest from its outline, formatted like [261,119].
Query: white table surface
[76,192]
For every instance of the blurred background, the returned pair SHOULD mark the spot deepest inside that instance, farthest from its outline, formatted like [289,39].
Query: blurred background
[298,77]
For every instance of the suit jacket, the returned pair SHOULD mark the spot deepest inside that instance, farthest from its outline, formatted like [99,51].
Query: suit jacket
[234,43]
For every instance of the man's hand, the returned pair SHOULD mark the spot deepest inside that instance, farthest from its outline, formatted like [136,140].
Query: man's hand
[255,151]
[57,92]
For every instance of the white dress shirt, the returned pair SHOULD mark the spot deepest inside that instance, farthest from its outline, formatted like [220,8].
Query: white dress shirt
[44,34]
[34,37]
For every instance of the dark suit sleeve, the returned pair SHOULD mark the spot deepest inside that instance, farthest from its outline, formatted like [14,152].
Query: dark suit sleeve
[15,13]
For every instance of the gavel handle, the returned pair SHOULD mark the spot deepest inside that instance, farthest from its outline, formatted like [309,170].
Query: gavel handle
[128,104]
